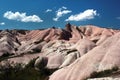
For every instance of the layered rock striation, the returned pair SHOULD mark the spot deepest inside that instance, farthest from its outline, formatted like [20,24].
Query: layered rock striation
[74,53]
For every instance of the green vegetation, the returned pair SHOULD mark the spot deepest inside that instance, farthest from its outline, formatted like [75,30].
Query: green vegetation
[19,73]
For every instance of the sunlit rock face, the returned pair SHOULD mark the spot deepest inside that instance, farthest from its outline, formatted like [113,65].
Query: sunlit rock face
[106,56]
[74,53]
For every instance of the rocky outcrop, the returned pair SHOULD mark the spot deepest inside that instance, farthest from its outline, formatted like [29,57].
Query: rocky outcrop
[8,44]
[68,27]
[84,45]
[58,55]
[101,58]
[74,52]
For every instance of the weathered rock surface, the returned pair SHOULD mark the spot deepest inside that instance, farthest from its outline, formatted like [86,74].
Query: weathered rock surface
[103,57]
[107,78]
[74,52]
[8,43]
[84,45]
[58,54]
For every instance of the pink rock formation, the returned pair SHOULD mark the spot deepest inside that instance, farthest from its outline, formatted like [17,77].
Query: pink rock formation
[77,52]
[84,45]
[103,57]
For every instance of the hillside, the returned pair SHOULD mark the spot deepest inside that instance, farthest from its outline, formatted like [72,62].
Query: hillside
[73,53]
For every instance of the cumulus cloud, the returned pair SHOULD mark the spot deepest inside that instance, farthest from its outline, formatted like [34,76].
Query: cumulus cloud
[61,12]
[48,10]
[22,17]
[2,23]
[86,15]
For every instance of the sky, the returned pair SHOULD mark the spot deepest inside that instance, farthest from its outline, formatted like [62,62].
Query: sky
[40,14]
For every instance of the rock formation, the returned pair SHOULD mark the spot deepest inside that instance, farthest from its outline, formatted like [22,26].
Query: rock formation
[74,53]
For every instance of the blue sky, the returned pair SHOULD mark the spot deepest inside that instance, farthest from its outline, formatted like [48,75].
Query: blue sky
[37,14]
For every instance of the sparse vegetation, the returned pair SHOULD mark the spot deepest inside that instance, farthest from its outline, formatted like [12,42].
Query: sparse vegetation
[104,73]
[5,56]
[19,73]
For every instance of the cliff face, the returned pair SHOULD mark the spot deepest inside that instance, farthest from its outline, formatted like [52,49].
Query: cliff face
[76,52]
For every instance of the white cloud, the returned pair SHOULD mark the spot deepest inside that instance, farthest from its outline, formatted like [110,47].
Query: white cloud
[22,17]
[118,17]
[64,7]
[86,15]
[48,10]
[2,23]
[61,12]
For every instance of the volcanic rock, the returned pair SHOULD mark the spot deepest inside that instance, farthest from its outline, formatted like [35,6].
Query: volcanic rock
[84,45]
[101,58]
[8,44]
[58,55]
[75,53]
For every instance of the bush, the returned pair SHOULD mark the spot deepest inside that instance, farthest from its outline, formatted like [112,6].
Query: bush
[19,73]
